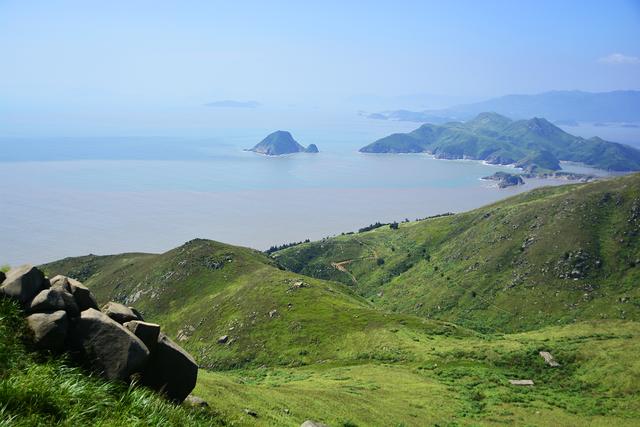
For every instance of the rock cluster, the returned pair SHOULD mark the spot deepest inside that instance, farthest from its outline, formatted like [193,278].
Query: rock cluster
[114,342]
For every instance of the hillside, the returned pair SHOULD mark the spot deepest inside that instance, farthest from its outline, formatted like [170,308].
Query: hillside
[550,256]
[534,144]
[281,142]
[550,270]
[205,290]
[565,105]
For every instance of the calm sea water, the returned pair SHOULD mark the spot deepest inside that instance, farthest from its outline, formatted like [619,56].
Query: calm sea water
[73,196]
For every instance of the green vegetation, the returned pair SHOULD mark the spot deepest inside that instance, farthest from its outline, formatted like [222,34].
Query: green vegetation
[452,381]
[406,324]
[547,257]
[204,290]
[43,390]
[535,144]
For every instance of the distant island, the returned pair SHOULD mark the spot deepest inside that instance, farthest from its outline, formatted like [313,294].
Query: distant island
[535,145]
[565,107]
[281,142]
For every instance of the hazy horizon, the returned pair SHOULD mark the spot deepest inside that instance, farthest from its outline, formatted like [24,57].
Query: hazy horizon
[80,68]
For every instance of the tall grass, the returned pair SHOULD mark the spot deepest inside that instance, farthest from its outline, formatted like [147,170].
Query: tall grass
[43,390]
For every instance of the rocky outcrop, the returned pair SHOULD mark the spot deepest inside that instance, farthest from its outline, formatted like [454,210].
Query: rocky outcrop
[118,312]
[505,179]
[107,347]
[171,370]
[83,296]
[312,148]
[49,329]
[281,142]
[311,423]
[195,401]
[116,343]
[54,299]
[147,332]
[23,283]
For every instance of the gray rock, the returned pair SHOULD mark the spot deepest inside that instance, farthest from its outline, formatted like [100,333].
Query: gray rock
[549,359]
[119,312]
[106,346]
[83,296]
[23,283]
[49,329]
[171,370]
[137,313]
[195,401]
[310,423]
[223,339]
[251,412]
[147,332]
[54,299]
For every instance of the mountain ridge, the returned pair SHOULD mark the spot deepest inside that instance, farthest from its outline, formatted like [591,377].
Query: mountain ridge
[621,106]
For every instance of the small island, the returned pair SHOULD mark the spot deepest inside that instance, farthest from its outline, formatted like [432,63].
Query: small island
[281,142]
[505,179]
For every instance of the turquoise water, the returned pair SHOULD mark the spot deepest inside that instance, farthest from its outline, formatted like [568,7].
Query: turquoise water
[67,197]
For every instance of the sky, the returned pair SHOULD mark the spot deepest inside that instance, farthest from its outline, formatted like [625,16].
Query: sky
[62,59]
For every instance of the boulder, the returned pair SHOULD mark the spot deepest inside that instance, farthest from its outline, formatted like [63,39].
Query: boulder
[23,283]
[119,312]
[521,382]
[195,401]
[106,346]
[137,313]
[147,332]
[83,296]
[310,423]
[49,329]
[171,370]
[54,299]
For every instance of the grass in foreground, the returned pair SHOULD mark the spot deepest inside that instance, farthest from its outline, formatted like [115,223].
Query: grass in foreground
[38,390]
[449,381]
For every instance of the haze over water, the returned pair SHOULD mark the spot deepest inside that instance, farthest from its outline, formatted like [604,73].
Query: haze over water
[77,196]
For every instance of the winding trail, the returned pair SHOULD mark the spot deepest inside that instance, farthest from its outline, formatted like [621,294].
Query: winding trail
[342,265]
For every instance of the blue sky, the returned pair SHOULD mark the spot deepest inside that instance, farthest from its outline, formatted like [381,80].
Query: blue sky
[84,55]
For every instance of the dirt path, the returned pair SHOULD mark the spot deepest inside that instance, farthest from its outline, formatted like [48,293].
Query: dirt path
[340,266]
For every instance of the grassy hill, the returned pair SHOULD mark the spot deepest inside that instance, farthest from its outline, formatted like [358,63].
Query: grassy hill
[535,144]
[422,324]
[550,256]
[204,290]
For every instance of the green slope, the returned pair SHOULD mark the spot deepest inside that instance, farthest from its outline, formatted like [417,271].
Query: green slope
[204,290]
[534,144]
[453,381]
[366,340]
[545,257]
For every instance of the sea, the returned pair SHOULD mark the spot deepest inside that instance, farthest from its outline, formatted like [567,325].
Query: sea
[71,196]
